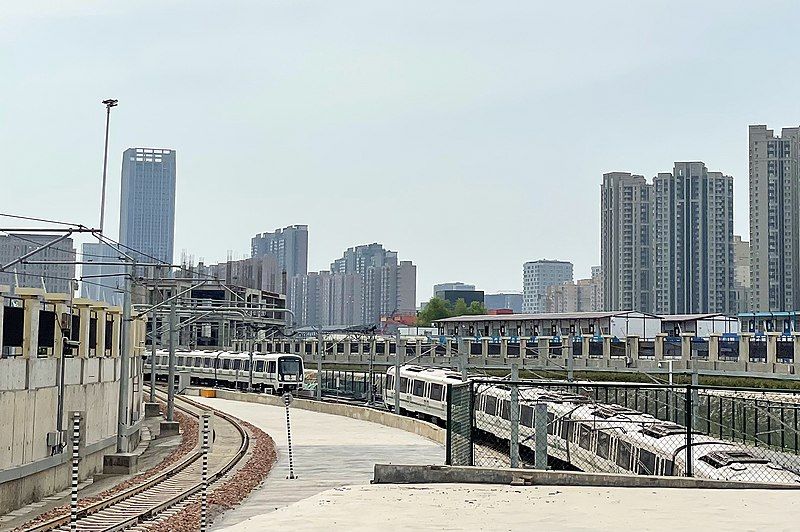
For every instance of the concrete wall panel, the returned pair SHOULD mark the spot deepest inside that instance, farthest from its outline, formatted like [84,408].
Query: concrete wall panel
[12,373]
[91,370]
[7,433]
[44,420]
[43,372]
[72,370]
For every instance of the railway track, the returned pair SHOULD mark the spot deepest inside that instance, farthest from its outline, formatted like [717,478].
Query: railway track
[142,503]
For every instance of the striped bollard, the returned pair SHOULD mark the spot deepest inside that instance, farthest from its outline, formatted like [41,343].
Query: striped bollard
[204,493]
[76,442]
[287,399]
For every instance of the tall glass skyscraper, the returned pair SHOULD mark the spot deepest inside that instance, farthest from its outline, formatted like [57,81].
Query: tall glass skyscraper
[147,206]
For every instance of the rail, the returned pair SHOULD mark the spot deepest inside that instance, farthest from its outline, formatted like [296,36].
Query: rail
[142,515]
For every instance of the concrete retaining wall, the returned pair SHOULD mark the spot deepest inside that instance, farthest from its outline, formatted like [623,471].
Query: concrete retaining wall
[420,474]
[416,426]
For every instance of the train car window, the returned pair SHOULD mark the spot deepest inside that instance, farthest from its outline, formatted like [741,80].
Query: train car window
[237,364]
[437,392]
[566,425]
[526,417]
[419,388]
[289,366]
[666,467]
[246,365]
[260,366]
[226,364]
[180,361]
[403,385]
[490,405]
[585,439]
[505,410]
[198,362]
[207,362]
[603,444]
[271,365]
[647,462]
[390,382]
[624,455]
[551,423]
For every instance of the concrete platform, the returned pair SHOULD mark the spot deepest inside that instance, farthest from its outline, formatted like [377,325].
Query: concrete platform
[329,452]
[554,509]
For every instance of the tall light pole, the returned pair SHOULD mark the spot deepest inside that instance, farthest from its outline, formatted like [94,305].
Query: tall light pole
[109,104]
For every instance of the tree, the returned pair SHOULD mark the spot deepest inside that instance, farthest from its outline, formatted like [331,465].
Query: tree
[476,307]
[461,307]
[436,309]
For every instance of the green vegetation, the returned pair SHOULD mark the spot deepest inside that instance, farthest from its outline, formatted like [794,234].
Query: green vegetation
[438,308]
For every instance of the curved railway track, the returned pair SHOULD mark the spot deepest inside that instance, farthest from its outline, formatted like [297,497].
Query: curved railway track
[143,502]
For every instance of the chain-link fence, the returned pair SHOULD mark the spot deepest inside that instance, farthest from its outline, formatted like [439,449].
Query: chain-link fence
[696,431]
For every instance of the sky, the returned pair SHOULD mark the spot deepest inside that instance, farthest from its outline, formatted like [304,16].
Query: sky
[469,136]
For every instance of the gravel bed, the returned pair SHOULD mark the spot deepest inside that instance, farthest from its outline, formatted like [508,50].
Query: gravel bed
[233,490]
[188,442]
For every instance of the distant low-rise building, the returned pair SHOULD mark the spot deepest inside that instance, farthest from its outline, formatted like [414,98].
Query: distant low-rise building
[51,277]
[504,300]
[469,296]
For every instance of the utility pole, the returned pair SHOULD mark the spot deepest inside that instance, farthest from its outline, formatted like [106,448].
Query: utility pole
[397,374]
[109,104]
[320,349]
[125,359]
[154,335]
[171,373]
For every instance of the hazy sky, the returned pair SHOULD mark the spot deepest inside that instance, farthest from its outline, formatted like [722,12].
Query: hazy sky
[470,136]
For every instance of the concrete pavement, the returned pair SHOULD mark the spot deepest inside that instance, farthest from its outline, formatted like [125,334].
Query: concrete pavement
[329,452]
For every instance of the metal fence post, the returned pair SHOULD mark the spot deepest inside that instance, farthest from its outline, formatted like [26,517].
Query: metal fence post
[448,446]
[76,442]
[204,493]
[472,423]
[540,435]
[514,439]
[688,419]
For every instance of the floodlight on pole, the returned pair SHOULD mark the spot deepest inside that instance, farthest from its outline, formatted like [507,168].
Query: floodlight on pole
[109,104]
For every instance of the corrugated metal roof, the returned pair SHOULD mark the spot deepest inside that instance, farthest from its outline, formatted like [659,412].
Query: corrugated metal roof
[692,317]
[545,317]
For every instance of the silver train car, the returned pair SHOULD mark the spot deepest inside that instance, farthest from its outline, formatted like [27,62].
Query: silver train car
[275,373]
[591,436]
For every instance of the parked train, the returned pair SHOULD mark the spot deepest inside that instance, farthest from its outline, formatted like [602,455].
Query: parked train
[593,437]
[275,373]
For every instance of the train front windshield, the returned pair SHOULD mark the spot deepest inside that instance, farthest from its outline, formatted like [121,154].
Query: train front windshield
[289,366]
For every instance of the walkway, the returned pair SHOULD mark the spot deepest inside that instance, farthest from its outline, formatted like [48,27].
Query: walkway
[329,452]
[556,509]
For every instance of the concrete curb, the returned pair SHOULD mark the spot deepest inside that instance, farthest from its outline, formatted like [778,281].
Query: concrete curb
[421,428]
[420,474]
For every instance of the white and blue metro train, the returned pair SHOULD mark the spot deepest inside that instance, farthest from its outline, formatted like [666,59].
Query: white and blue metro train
[593,437]
[275,373]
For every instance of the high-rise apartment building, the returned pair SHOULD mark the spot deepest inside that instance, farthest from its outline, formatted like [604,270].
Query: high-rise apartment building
[693,241]
[584,295]
[536,277]
[50,277]
[367,284]
[774,219]
[147,205]
[625,242]
[741,276]
[289,247]
[101,282]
